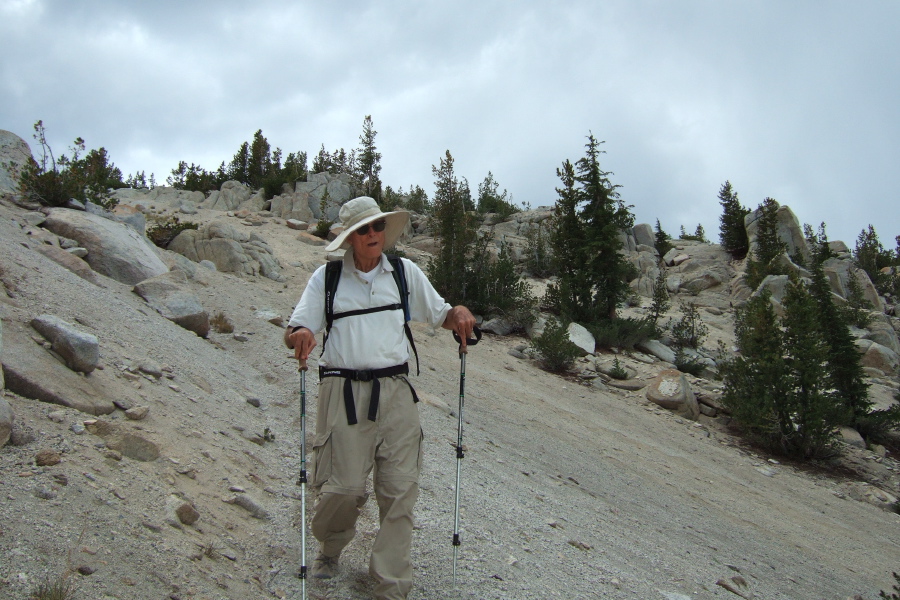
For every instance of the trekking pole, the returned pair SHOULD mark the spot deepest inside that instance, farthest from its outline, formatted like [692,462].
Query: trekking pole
[459,435]
[302,481]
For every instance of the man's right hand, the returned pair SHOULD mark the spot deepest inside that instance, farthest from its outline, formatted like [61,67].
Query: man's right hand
[302,341]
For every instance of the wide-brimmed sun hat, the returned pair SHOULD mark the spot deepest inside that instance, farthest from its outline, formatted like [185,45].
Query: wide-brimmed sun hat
[362,211]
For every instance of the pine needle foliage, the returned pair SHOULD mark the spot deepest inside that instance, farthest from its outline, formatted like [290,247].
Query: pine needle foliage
[589,217]
[464,269]
[163,232]
[83,176]
[690,330]
[768,245]
[732,232]
[663,240]
[661,299]
[557,353]
[775,388]
[454,230]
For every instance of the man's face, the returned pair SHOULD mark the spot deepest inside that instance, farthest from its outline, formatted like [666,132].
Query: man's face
[368,245]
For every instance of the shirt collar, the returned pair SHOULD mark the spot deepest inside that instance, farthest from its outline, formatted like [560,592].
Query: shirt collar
[385,264]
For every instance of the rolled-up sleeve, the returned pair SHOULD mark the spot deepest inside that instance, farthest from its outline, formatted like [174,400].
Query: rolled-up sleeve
[425,304]
[310,311]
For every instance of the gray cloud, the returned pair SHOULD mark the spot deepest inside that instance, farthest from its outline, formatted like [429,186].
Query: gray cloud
[794,101]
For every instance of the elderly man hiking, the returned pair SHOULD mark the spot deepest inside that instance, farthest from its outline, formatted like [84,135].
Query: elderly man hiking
[367,417]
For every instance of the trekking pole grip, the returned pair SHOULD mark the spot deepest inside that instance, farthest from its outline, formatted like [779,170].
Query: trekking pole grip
[470,341]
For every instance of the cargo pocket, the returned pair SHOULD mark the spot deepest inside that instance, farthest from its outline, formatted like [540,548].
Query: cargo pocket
[321,460]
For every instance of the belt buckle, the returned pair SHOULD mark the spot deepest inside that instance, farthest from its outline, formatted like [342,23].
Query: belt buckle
[364,376]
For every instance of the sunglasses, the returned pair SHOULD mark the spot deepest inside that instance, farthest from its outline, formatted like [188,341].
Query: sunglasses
[378,226]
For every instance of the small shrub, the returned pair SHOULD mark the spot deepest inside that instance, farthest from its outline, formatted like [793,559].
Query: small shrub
[493,286]
[162,233]
[690,330]
[876,425]
[538,255]
[62,588]
[557,352]
[617,371]
[857,307]
[622,333]
[661,301]
[84,177]
[323,225]
[220,323]
[687,364]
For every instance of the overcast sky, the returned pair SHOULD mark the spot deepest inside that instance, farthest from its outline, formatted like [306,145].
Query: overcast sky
[796,100]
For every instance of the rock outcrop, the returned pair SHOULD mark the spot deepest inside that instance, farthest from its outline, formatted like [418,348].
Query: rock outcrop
[113,249]
[168,295]
[14,156]
[230,249]
[79,350]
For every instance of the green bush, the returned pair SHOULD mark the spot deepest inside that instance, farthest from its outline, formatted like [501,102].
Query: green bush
[557,352]
[53,182]
[774,388]
[617,371]
[538,255]
[689,331]
[875,425]
[661,300]
[663,240]
[687,364]
[493,286]
[857,310]
[622,333]
[162,233]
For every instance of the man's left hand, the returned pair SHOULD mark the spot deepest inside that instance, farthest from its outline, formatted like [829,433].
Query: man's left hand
[461,321]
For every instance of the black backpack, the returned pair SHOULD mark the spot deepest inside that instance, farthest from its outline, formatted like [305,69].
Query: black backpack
[332,278]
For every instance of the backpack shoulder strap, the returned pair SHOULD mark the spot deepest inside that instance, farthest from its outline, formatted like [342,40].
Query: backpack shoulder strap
[332,278]
[399,274]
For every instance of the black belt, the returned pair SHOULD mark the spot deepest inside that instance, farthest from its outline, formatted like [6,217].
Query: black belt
[372,375]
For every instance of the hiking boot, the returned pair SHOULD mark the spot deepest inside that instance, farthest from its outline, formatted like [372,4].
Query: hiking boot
[325,567]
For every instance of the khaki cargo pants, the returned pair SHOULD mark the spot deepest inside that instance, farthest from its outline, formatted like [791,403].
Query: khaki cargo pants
[343,457]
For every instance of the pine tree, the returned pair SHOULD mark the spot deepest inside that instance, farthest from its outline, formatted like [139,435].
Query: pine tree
[663,243]
[661,300]
[571,292]
[755,382]
[777,388]
[768,245]
[811,416]
[871,257]
[732,233]
[454,232]
[844,371]
[586,239]
[239,168]
[370,161]
[605,217]
[700,234]
[490,200]
[259,164]
[538,255]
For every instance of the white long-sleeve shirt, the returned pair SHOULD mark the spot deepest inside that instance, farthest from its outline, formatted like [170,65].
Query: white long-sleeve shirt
[374,340]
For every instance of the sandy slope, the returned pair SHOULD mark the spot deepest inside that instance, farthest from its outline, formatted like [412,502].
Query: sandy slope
[567,492]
